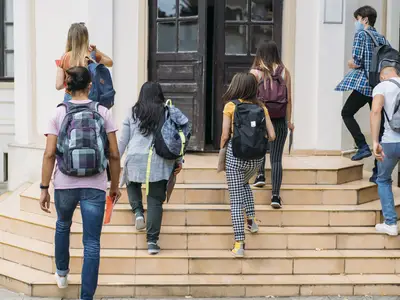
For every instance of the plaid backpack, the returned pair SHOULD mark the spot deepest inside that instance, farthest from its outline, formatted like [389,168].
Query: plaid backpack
[82,146]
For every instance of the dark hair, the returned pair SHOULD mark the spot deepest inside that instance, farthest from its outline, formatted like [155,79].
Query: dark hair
[267,57]
[78,79]
[243,86]
[367,12]
[149,108]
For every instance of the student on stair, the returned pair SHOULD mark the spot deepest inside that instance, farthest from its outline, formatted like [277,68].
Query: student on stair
[387,99]
[136,140]
[274,90]
[356,80]
[77,53]
[81,135]
[242,93]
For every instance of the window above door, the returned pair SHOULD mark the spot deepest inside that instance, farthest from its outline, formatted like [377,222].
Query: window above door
[177,26]
[6,40]
[249,23]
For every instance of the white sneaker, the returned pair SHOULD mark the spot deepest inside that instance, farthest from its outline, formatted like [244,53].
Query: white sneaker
[388,229]
[62,282]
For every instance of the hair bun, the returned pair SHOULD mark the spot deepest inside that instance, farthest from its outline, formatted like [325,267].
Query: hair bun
[78,78]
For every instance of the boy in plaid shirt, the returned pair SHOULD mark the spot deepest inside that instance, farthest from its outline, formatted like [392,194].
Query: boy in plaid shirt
[357,79]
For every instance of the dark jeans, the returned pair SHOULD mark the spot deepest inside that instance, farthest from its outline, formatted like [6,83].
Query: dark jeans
[155,200]
[353,104]
[276,153]
[91,202]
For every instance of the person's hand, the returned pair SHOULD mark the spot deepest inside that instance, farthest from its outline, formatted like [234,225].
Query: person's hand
[290,125]
[378,151]
[45,201]
[92,48]
[352,65]
[178,169]
[272,138]
[115,194]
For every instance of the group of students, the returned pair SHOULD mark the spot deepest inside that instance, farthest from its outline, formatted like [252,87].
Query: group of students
[81,146]
[257,116]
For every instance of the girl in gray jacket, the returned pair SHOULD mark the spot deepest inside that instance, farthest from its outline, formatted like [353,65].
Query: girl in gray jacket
[136,140]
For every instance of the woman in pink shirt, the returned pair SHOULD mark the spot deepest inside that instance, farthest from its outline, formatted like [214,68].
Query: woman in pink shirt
[81,135]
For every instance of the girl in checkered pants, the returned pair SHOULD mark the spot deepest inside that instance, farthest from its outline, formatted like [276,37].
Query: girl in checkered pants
[238,171]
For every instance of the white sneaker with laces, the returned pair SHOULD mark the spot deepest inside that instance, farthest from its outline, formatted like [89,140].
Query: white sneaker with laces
[388,229]
[62,282]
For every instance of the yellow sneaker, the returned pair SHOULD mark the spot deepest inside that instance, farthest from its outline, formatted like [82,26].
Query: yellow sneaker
[238,249]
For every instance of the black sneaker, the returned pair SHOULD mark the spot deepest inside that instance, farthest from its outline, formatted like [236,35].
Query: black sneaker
[276,202]
[260,181]
[153,248]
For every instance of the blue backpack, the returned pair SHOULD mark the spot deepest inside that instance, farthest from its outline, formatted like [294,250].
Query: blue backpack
[102,90]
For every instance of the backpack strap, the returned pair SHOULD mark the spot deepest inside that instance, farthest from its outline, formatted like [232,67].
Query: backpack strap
[398,85]
[236,102]
[371,35]
[151,150]
[67,106]
[94,106]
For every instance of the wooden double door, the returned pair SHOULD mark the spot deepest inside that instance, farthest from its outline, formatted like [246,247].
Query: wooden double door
[196,47]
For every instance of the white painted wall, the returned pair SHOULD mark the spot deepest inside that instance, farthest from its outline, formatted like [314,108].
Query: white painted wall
[114,27]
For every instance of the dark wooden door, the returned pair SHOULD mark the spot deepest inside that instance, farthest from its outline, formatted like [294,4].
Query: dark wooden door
[241,25]
[177,58]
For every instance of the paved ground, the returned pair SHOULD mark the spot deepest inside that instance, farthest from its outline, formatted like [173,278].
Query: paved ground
[6,295]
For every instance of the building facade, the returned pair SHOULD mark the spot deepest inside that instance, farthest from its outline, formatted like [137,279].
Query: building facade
[193,47]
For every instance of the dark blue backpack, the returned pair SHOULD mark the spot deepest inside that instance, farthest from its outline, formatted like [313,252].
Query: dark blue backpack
[102,90]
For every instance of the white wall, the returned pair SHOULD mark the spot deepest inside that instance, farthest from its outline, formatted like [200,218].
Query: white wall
[115,27]
[318,68]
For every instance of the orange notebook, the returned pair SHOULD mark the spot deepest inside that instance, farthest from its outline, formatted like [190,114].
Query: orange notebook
[110,203]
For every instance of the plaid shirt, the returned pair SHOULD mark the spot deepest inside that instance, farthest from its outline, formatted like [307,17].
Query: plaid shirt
[363,48]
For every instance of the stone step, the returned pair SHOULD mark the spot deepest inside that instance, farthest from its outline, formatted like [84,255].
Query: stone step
[41,284]
[207,237]
[357,192]
[219,215]
[40,255]
[297,170]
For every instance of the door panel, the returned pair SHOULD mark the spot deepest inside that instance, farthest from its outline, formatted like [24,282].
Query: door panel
[177,58]
[241,25]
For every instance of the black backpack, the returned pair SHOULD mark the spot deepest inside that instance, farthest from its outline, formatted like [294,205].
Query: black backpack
[249,131]
[382,53]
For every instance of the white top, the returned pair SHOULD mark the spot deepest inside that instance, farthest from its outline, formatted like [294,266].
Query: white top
[390,91]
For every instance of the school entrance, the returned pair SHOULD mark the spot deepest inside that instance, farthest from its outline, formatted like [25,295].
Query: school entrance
[195,48]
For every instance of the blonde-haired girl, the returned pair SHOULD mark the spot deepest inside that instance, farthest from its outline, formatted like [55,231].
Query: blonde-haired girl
[77,53]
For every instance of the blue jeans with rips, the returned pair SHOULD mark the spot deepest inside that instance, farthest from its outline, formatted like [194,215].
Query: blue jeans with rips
[92,205]
[385,170]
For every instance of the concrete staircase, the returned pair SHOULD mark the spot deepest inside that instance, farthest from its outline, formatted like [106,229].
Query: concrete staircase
[322,242]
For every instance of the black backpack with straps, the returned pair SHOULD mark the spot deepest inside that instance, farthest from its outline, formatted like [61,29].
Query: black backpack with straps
[380,54]
[249,131]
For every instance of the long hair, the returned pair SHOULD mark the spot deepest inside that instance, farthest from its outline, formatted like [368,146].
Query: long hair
[149,108]
[267,58]
[78,44]
[243,86]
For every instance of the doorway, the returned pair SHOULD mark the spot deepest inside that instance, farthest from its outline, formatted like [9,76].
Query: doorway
[195,48]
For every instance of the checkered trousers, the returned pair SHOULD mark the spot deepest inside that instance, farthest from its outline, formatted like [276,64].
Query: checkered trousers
[238,174]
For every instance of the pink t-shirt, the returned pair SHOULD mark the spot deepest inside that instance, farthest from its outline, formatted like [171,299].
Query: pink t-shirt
[62,181]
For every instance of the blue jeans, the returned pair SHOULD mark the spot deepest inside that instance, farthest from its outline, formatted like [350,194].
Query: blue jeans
[385,169]
[92,204]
